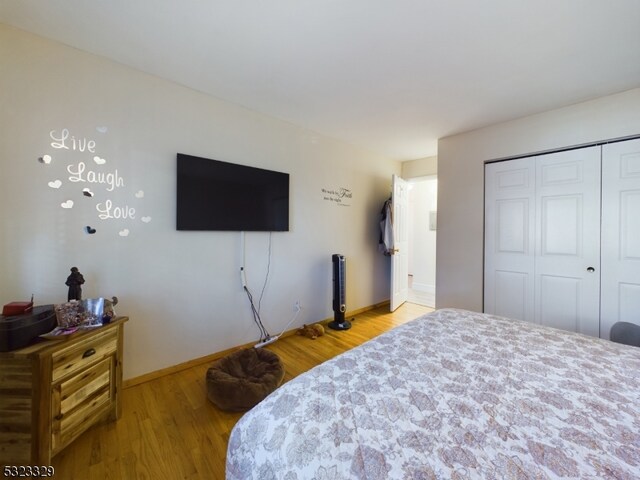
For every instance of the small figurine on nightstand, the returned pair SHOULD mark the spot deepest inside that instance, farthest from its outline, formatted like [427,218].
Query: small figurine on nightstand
[74,282]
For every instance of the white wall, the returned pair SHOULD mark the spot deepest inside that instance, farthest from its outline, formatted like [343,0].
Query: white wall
[181,290]
[420,167]
[461,179]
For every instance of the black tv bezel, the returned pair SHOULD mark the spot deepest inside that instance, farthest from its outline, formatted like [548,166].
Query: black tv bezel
[239,170]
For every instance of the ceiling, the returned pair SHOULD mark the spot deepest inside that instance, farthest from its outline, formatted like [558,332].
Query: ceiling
[391,76]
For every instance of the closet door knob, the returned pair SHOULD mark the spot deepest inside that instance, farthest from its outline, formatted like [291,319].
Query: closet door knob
[591,269]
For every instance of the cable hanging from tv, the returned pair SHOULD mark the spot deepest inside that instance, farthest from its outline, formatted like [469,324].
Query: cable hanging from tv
[264,335]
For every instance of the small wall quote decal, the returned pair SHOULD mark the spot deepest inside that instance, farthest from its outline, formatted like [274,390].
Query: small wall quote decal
[340,196]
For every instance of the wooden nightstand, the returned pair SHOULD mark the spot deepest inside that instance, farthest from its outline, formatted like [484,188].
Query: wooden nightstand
[54,390]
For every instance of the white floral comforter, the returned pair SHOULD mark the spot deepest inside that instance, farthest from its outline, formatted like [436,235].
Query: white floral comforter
[452,395]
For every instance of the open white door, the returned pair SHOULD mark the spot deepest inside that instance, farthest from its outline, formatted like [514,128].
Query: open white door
[400,254]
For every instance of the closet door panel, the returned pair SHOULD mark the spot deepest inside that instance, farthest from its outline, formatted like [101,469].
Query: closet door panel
[620,234]
[629,302]
[630,225]
[509,238]
[561,306]
[567,252]
[511,224]
[511,296]
[560,223]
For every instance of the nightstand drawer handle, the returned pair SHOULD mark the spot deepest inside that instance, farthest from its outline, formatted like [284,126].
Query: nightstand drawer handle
[89,352]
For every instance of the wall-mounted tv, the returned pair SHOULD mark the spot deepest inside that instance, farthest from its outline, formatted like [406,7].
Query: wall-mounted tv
[215,195]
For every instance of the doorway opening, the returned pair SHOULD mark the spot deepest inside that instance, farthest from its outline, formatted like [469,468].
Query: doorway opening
[422,225]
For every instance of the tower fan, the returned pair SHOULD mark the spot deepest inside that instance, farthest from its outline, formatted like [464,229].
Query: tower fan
[339,293]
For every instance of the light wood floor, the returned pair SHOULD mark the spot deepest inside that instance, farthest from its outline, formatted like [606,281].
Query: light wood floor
[169,430]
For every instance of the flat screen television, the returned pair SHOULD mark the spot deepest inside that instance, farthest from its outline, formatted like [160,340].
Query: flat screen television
[215,195]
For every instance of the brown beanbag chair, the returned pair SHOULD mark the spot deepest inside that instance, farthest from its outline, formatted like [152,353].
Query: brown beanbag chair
[240,380]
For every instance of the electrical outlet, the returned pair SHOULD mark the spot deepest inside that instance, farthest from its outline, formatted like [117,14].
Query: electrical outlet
[296,306]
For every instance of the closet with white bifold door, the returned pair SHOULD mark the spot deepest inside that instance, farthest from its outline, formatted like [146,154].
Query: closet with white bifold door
[562,238]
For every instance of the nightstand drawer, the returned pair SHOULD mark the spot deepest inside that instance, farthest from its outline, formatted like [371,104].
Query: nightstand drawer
[84,353]
[77,401]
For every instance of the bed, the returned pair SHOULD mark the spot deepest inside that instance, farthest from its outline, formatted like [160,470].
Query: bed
[452,395]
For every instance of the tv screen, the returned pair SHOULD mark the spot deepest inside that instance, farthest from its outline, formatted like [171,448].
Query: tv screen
[215,195]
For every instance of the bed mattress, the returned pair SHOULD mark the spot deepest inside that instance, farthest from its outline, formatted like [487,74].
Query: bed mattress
[452,395]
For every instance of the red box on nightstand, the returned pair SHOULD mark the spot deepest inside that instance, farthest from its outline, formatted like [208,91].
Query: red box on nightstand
[16,308]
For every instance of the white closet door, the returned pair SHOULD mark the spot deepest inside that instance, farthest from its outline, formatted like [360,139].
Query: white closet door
[509,238]
[567,254]
[620,234]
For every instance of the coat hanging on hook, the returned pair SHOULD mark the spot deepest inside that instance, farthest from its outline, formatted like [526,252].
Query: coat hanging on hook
[385,243]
